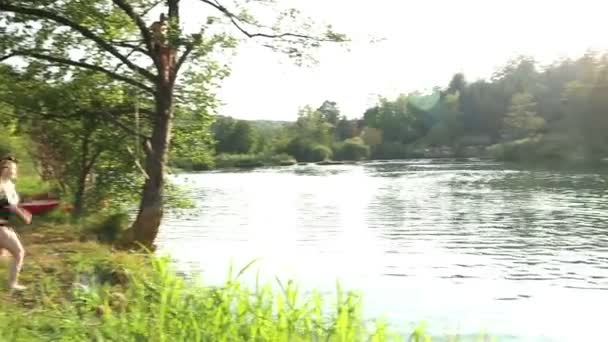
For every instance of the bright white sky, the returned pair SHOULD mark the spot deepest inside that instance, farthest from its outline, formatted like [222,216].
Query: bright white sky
[427,41]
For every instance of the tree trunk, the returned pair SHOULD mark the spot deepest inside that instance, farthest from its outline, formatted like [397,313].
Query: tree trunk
[79,195]
[146,225]
[85,172]
[82,177]
[145,228]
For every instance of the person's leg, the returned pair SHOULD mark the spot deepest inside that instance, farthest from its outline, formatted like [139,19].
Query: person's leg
[10,241]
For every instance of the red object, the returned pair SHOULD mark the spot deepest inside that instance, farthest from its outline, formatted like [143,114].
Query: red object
[40,206]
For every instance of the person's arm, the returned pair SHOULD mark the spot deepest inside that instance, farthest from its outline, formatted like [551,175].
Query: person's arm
[13,200]
[23,214]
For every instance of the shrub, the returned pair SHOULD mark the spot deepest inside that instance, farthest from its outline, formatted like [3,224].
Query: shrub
[352,149]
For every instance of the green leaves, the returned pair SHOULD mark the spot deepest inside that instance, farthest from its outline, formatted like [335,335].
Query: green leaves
[522,120]
[73,140]
[398,120]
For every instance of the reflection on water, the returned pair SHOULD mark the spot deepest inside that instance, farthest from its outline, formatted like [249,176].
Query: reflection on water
[466,245]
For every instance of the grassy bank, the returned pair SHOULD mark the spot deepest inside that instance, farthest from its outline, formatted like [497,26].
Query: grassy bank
[84,291]
[253,160]
[224,161]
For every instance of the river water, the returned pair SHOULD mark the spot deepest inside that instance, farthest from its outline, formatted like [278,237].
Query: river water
[468,246]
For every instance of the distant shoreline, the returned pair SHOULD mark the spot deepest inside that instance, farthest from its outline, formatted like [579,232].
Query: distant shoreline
[532,163]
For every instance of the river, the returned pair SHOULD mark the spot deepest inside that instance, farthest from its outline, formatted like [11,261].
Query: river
[468,246]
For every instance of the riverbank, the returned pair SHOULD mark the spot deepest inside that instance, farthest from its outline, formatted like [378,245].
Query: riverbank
[226,161]
[530,151]
[84,290]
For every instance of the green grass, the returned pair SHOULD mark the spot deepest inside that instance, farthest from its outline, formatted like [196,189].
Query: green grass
[151,303]
[134,297]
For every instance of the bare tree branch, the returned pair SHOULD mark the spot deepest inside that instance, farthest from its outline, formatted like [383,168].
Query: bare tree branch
[183,58]
[65,61]
[10,55]
[122,126]
[137,163]
[143,29]
[5,6]
[151,7]
[89,165]
[24,109]
[173,8]
[237,22]
[110,114]
[133,47]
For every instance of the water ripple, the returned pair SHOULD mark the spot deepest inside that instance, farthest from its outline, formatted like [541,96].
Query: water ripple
[408,224]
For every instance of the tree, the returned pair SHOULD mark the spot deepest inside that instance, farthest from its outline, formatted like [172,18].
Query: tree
[329,112]
[273,136]
[223,131]
[235,136]
[193,141]
[70,134]
[352,149]
[371,136]
[450,124]
[244,137]
[312,126]
[596,120]
[398,120]
[112,37]
[522,120]
[457,84]
[346,129]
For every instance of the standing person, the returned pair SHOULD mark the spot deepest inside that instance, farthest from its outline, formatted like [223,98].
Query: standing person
[8,238]
[161,46]
[159,32]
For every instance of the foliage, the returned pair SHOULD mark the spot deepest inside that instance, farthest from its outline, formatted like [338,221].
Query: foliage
[192,141]
[346,129]
[193,165]
[394,150]
[319,153]
[108,228]
[73,138]
[307,150]
[352,149]
[525,111]
[253,160]
[449,122]
[311,126]
[398,120]
[235,136]
[330,112]
[522,120]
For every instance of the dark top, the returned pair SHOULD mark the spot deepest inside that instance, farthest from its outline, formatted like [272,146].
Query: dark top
[4,213]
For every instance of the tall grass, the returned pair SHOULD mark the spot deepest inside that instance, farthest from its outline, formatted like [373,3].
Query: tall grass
[154,304]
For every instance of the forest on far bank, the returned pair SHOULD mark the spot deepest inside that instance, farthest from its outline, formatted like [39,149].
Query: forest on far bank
[523,112]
